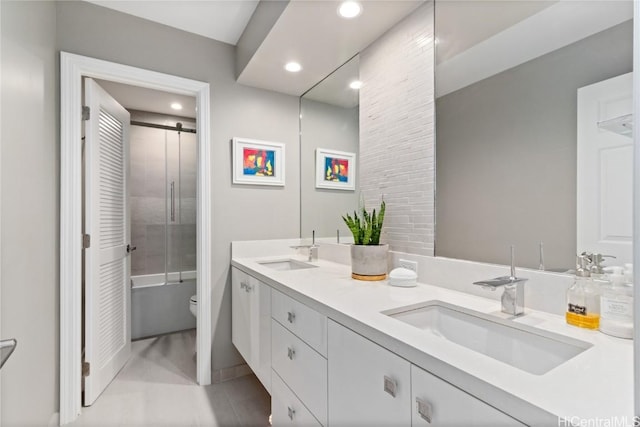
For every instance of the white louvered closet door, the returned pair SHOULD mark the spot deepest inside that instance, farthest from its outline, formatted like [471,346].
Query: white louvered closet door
[107,264]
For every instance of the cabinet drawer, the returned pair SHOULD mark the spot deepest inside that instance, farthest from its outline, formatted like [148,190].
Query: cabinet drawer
[368,384]
[438,403]
[306,323]
[302,368]
[286,408]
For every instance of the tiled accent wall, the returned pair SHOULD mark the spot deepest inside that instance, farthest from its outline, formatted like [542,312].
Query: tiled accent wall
[155,236]
[397,142]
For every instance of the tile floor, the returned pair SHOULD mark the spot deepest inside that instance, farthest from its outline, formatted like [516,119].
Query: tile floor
[157,388]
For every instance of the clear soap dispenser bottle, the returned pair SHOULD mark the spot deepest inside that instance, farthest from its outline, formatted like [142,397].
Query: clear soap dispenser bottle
[583,298]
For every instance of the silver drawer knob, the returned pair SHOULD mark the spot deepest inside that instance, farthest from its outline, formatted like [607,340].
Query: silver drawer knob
[290,353]
[390,386]
[425,410]
[291,412]
[291,316]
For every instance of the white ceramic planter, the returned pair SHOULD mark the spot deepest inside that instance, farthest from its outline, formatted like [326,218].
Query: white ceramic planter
[369,262]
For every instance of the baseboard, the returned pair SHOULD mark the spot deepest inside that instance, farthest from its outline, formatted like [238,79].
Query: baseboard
[226,374]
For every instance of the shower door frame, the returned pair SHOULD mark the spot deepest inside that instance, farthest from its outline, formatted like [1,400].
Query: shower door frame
[72,69]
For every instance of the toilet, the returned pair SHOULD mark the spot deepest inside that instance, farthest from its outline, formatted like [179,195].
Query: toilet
[193,305]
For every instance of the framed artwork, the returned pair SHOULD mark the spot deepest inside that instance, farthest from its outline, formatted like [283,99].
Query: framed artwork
[258,162]
[335,170]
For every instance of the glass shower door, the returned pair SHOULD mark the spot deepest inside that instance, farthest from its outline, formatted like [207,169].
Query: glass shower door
[181,205]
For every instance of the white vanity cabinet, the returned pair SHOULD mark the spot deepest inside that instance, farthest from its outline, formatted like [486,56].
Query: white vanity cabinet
[298,354]
[438,403]
[251,323]
[368,384]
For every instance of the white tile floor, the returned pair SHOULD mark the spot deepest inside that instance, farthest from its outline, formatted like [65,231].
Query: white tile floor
[157,388]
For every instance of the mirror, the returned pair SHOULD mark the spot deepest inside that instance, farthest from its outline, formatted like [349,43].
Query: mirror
[329,129]
[507,79]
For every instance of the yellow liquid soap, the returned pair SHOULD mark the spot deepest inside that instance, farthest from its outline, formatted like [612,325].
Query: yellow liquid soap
[588,321]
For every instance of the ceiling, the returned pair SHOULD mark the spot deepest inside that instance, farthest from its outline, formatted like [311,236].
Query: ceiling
[313,34]
[218,20]
[153,101]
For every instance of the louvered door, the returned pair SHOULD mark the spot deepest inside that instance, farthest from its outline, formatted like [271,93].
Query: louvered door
[107,264]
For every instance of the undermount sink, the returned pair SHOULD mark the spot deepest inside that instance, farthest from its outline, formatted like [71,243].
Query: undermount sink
[286,264]
[521,346]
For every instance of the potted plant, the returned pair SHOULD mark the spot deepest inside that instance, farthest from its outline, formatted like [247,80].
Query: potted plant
[368,256]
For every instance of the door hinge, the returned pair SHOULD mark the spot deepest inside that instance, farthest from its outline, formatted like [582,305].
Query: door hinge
[86,241]
[86,369]
[86,113]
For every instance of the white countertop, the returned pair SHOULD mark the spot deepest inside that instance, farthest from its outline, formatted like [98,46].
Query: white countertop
[594,385]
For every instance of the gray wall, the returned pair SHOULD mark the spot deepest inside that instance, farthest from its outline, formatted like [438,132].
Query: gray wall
[30,194]
[325,126]
[236,110]
[506,155]
[31,35]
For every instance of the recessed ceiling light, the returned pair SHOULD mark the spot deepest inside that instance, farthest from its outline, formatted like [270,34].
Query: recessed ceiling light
[349,9]
[176,106]
[356,84]
[293,67]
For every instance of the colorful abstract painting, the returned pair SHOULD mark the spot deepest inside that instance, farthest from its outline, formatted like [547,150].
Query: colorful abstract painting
[258,162]
[335,170]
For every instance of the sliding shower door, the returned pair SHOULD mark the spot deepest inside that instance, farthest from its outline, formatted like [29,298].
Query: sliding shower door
[181,205]
[163,202]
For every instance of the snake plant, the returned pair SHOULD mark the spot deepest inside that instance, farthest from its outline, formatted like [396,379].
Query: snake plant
[366,227]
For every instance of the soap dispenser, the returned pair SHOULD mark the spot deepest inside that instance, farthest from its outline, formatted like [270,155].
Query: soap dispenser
[616,304]
[583,298]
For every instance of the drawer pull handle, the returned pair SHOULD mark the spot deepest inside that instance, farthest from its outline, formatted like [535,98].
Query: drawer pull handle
[248,287]
[243,285]
[291,412]
[290,353]
[291,316]
[425,410]
[390,386]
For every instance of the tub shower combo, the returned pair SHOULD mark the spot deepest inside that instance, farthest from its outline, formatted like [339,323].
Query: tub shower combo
[163,159]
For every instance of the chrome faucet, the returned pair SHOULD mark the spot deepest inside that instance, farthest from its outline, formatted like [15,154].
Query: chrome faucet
[313,248]
[513,295]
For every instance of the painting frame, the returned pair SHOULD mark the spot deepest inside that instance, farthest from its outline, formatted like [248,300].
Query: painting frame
[323,156]
[273,152]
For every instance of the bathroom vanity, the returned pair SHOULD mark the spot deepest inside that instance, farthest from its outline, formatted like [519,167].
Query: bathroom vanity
[336,351]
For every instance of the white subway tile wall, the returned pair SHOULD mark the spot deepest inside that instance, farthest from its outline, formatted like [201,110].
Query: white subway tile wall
[397,143]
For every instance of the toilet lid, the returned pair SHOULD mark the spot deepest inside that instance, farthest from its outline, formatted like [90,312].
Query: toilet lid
[194,298]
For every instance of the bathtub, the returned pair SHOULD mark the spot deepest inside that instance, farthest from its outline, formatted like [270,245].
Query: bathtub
[160,308]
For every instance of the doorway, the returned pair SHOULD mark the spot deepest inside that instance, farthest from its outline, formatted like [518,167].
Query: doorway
[73,69]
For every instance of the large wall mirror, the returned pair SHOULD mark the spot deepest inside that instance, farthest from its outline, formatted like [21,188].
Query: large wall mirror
[520,87]
[329,128]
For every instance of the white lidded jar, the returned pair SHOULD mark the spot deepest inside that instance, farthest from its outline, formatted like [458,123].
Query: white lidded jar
[616,303]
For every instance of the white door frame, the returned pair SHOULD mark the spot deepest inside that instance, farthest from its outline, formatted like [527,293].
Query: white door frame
[72,69]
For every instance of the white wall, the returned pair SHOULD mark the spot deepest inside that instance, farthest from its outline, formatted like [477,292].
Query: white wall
[397,131]
[30,194]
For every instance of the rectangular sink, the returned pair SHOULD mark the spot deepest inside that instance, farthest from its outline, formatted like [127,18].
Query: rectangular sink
[521,346]
[286,264]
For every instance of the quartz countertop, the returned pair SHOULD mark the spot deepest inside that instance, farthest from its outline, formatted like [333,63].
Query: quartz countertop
[597,384]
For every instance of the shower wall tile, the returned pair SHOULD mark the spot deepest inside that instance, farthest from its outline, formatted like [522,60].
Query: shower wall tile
[155,264]
[138,261]
[155,242]
[189,184]
[138,257]
[189,262]
[189,207]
